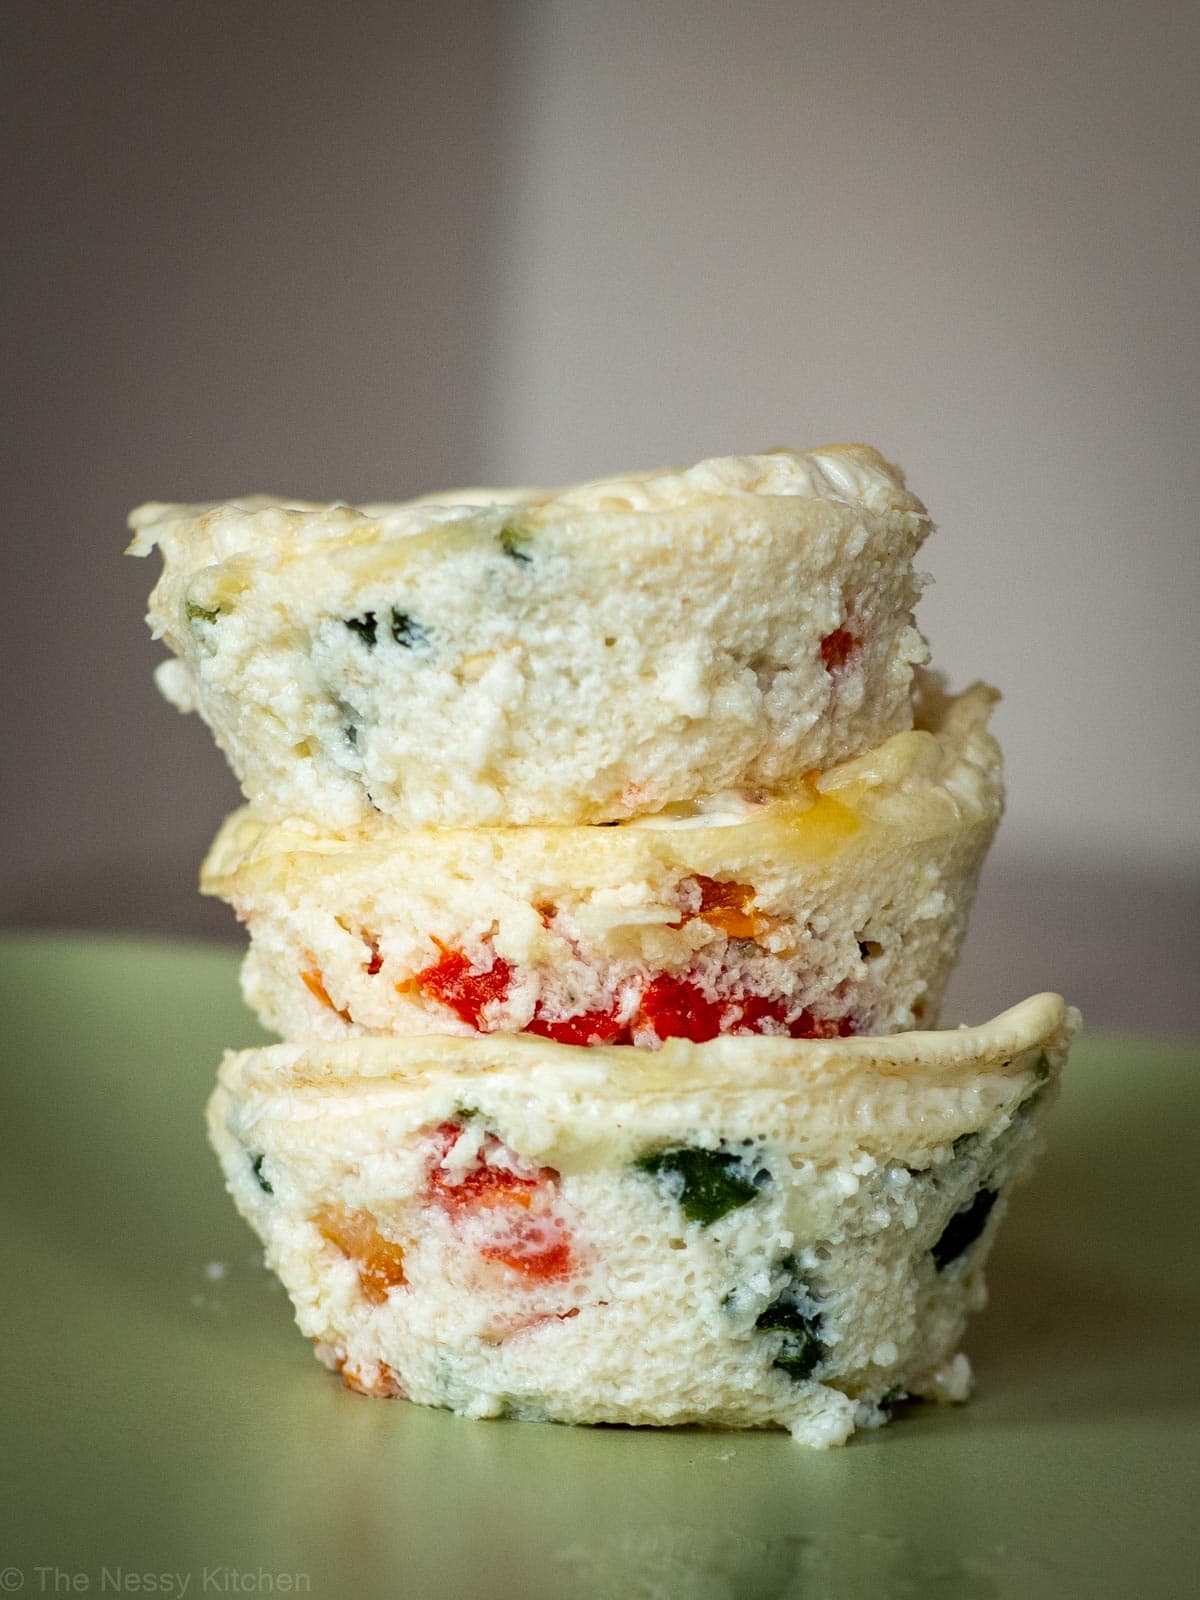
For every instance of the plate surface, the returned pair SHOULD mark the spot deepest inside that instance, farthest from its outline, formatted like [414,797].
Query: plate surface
[166,1429]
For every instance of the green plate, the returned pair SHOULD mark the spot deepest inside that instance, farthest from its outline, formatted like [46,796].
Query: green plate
[169,1432]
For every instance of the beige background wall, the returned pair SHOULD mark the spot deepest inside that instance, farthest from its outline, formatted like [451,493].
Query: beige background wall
[253,254]
[262,248]
[966,232]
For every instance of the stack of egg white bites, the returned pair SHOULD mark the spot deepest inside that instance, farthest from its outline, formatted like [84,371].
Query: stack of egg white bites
[604,850]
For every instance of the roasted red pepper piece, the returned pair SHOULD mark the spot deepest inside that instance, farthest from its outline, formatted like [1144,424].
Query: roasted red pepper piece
[465,989]
[677,1009]
[806,1026]
[756,1010]
[525,1234]
[314,982]
[837,648]
[725,905]
[380,1261]
[586,1027]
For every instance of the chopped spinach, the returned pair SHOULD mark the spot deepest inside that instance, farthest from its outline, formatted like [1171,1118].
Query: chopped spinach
[898,1395]
[514,542]
[707,1183]
[264,1183]
[408,633]
[197,613]
[794,1314]
[964,1227]
[364,627]
[351,719]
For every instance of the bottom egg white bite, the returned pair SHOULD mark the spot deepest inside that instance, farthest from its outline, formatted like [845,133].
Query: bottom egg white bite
[748,1232]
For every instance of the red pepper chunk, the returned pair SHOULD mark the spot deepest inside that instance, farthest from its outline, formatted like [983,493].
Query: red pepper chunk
[586,1027]
[532,1243]
[806,1026]
[466,990]
[379,1260]
[726,906]
[314,982]
[755,1010]
[378,1384]
[374,961]
[837,648]
[536,1248]
[677,1009]
[485,1185]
